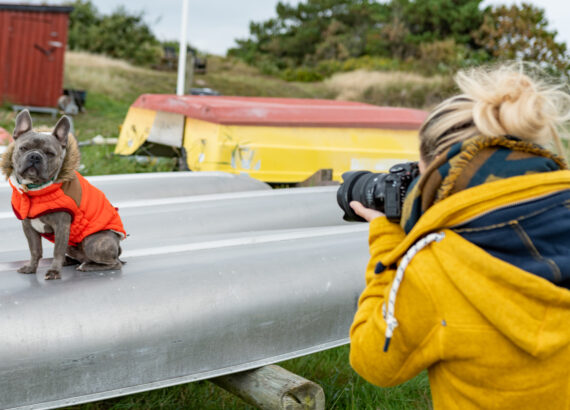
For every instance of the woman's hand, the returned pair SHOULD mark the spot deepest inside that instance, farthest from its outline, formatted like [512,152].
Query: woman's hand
[366,213]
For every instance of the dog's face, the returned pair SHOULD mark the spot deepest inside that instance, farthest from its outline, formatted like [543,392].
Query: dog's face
[37,157]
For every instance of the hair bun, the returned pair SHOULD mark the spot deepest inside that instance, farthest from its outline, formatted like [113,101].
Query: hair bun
[508,101]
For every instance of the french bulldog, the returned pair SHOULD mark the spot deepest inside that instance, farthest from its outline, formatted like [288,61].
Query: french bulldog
[54,201]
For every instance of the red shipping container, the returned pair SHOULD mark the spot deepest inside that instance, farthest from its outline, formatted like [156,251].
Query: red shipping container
[32,47]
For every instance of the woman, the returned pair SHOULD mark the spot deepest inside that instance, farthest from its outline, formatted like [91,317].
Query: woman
[474,284]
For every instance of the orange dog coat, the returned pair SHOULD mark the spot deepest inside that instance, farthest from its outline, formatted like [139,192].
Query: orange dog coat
[90,210]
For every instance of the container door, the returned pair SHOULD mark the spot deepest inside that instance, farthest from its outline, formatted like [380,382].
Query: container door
[34,72]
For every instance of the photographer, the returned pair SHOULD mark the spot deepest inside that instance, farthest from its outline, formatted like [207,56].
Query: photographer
[473,284]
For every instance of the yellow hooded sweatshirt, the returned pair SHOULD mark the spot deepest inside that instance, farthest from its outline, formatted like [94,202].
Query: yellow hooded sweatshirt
[491,335]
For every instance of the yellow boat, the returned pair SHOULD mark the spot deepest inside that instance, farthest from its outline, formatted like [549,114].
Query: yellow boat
[277,140]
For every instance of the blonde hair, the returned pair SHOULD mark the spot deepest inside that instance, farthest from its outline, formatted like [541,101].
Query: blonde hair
[513,99]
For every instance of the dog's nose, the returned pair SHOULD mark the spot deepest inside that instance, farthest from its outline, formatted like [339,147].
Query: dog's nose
[34,158]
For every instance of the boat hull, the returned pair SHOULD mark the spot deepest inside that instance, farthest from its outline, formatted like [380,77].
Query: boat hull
[177,317]
[178,220]
[213,284]
[277,140]
[152,185]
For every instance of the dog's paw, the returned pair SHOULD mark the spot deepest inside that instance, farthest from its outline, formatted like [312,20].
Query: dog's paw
[52,274]
[27,269]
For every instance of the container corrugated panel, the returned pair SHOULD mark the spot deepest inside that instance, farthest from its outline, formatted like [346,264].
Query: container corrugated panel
[32,46]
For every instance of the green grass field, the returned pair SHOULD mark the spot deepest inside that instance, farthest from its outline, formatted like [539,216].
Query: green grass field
[111,87]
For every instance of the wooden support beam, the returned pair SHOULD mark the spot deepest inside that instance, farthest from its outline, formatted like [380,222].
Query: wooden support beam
[319,178]
[272,387]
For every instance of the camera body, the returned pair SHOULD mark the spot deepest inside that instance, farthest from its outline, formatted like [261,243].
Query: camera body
[384,192]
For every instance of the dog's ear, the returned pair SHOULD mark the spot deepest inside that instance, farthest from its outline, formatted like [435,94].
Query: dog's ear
[61,130]
[23,123]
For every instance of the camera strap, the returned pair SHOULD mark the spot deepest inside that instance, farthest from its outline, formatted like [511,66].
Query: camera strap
[388,313]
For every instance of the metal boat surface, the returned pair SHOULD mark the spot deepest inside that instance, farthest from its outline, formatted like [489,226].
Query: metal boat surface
[177,315]
[127,187]
[211,286]
[174,220]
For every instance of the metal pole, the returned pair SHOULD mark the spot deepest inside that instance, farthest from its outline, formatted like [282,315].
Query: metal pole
[182,50]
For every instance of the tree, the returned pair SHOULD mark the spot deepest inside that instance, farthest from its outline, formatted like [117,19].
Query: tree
[83,20]
[120,35]
[436,20]
[427,35]
[126,36]
[311,31]
[521,32]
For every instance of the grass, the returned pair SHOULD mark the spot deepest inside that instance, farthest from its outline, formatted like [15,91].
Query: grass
[100,160]
[233,77]
[112,86]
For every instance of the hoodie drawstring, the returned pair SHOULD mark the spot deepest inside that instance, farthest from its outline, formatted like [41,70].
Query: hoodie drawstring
[391,322]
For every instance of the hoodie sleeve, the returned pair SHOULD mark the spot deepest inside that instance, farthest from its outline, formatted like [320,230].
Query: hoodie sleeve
[413,346]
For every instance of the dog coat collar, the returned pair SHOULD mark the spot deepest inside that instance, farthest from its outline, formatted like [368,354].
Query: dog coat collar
[23,188]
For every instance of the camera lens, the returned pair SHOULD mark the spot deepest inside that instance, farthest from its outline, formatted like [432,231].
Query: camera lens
[383,192]
[359,186]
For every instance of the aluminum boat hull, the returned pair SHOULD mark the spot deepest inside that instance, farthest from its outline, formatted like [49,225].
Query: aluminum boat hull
[212,286]
[176,317]
[174,220]
[151,185]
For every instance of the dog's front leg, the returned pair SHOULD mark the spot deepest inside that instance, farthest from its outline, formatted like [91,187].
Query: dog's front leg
[60,223]
[35,245]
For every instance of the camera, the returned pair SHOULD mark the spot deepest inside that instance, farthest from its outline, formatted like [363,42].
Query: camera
[384,192]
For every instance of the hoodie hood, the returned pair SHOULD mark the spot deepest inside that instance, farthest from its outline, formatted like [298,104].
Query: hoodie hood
[528,310]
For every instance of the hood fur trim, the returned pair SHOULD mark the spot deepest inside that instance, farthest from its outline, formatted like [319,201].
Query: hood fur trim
[68,168]
[70,162]
[6,164]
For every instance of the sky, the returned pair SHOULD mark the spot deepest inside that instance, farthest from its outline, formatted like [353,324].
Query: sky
[213,25]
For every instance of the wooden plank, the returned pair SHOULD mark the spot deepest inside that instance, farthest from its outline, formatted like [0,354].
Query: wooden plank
[319,178]
[272,387]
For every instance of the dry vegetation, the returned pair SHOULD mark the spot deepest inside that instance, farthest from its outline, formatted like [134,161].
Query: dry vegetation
[390,88]
[105,75]
[118,79]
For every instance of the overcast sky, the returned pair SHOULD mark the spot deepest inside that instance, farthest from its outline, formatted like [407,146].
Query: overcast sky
[213,25]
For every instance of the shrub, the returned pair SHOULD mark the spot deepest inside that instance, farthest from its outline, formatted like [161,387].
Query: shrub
[301,74]
[119,35]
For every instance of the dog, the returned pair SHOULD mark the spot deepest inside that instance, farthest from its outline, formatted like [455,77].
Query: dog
[54,201]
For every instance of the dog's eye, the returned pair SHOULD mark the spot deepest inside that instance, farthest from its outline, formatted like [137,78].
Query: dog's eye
[22,149]
[50,153]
